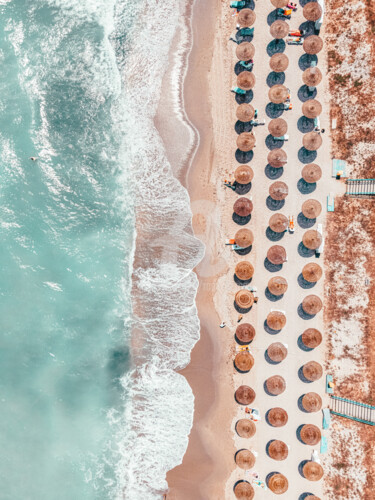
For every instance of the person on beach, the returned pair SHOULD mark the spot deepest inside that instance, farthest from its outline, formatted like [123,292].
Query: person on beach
[298,33]
[33,158]
[222,324]
[239,318]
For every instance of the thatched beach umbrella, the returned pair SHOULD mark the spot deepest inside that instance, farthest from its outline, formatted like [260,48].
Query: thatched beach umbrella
[276,385]
[310,434]
[311,173]
[312,304]
[313,44]
[312,141]
[279,29]
[312,272]
[277,285]
[244,491]
[243,174]
[246,80]
[245,459]
[312,371]
[279,62]
[276,320]
[311,209]
[244,395]
[312,338]
[278,450]
[279,3]
[312,76]
[278,127]
[244,238]
[278,223]
[277,158]
[246,141]
[278,190]
[276,255]
[311,402]
[278,94]
[245,51]
[278,483]
[245,333]
[312,471]
[277,352]
[244,361]
[277,417]
[246,18]
[312,11]
[243,207]
[245,112]
[245,428]
[244,299]
[244,270]
[311,108]
[312,239]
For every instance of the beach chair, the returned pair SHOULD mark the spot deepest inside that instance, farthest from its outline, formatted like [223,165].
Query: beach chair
[313,64]
[317,124]
[330,203]
[329,381]
[339,166]
[246,32]
[294,41]
[315,457]
[237,90]
[323,445]
[230,242]
[282,138]
[246,65]
[326,418]
[281,13]
[237,4]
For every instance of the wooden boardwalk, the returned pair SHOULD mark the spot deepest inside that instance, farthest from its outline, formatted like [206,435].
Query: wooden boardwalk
[353,410]
[360,188]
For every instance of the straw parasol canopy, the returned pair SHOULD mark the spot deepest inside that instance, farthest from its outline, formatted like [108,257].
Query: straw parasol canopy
[311,172]
[277,417]
[278,450]
[278,94]
[244,395]
[312,304]
[243,174]
[244,491]
[245,459]
[245,112]
[246,80]
[277,127]
[312,471]
[312,239]
[312,272]
[245,51]
[312,141]
[311,209]
[243,207]
[311,338]
[244,270]
[246,18]
[276,320]
[244,238]
[244,299]
[311,108]
[245,333]
[277,158]
[312,402]
[278,223]
[312,44]
[279,29]
[276,385]
[278,190]
[279,62]
[245,428]
[276,255]
[246,141]
[279,3]
[312,371]
[312,11]
[244,361]
[278,483]
[310,434]
[277,285]
[277,352]
[312,76]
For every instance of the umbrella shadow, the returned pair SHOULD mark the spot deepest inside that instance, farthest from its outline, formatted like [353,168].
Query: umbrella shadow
[305,124]
[301,466]
[273,173]
[270,296]
[249,4]
[244,156]
[269,330]
[243,127]
[308,27]
[273,236]
[304,2]
[238,68]
[244,251]
[269,476]
[305,252]
[267,391]
[305,495]
[245,98]
[303,314]
[240,341]
[304,222]
[274,110]
[241,480]
[302,376]
[306,285]
[241,282]
[244,38]
[306,156]
[300,406]
[239,309]
[238,370]
[242,188]
[269,360]
[273,143]
[302,346]
[268,446]
[304,94]
[274,204]
[298,433]
[305,61]
[272,17]
[272,268]
[276,47]
[241,221]
[306,187]
[275,78]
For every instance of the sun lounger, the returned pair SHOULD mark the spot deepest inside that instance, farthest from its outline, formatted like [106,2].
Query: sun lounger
[246,32]
[323,445]
[339,166]
[330,203]
[294,41]
[237,5]
[326,418]
[282,138]
[237,90]
[246,65]
[329,379]
[230,242]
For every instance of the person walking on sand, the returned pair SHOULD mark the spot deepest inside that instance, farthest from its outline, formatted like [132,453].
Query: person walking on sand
[239,318]
[222,324]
